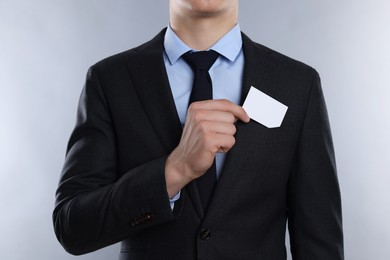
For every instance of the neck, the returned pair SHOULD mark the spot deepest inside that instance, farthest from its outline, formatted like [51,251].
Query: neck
[200,33]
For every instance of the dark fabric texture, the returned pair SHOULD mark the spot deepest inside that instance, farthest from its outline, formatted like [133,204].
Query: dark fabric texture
[202,89]
[112,187]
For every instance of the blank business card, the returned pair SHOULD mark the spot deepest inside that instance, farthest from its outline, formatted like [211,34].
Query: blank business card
[264,109]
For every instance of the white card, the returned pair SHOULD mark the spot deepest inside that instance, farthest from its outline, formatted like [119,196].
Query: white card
[264,109]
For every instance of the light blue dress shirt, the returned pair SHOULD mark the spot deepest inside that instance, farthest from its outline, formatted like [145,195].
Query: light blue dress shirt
[226,75]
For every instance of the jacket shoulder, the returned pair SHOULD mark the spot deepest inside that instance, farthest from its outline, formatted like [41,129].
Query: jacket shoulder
[277,60]
[115,61]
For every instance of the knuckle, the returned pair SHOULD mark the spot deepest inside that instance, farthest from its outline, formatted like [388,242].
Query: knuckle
[197,116]
[232,118]
[202,114]
[225,102]
[193,106]
[233,129]
[232,141]
[214,149]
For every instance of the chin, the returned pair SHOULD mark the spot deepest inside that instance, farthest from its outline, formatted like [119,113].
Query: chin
[209,7]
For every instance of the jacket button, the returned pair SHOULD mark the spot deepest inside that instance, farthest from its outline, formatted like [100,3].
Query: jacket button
[204,234]
[149,216]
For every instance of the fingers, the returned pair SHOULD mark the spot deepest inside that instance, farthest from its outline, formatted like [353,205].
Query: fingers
[209,128]
[210,115]
[215,119]
[221,105]
[224,143]
[226,128]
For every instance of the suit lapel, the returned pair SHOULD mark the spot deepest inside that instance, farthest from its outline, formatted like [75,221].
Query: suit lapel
[151,82]
[256,69]
[150,79]
[256,74]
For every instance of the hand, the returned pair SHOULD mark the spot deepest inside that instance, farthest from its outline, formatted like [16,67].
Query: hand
[209,128]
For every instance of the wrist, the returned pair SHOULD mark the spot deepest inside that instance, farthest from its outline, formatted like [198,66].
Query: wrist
[175,175]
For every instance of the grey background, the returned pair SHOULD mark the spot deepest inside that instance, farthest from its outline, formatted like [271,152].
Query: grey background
[46,47]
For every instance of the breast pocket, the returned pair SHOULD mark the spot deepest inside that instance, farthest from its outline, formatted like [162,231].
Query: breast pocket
[266,153]
[254,133]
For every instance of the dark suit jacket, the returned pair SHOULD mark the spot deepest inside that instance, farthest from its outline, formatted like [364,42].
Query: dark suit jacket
[112,187]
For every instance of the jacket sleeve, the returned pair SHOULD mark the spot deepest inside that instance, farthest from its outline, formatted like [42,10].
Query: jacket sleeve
[95,205]
[314,205]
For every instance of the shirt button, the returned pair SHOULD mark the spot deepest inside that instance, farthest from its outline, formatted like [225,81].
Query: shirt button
[204,234]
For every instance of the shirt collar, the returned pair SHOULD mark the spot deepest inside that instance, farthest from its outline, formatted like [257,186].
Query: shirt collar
[228,46]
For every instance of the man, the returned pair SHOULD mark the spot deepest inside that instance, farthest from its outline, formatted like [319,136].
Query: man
[133,172]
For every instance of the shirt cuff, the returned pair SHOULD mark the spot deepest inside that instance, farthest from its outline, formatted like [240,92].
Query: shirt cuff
[174,199]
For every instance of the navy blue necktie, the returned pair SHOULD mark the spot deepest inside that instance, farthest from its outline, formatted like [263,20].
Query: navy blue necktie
[201,62]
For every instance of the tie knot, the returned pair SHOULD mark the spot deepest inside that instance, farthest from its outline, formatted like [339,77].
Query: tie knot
[201,60]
